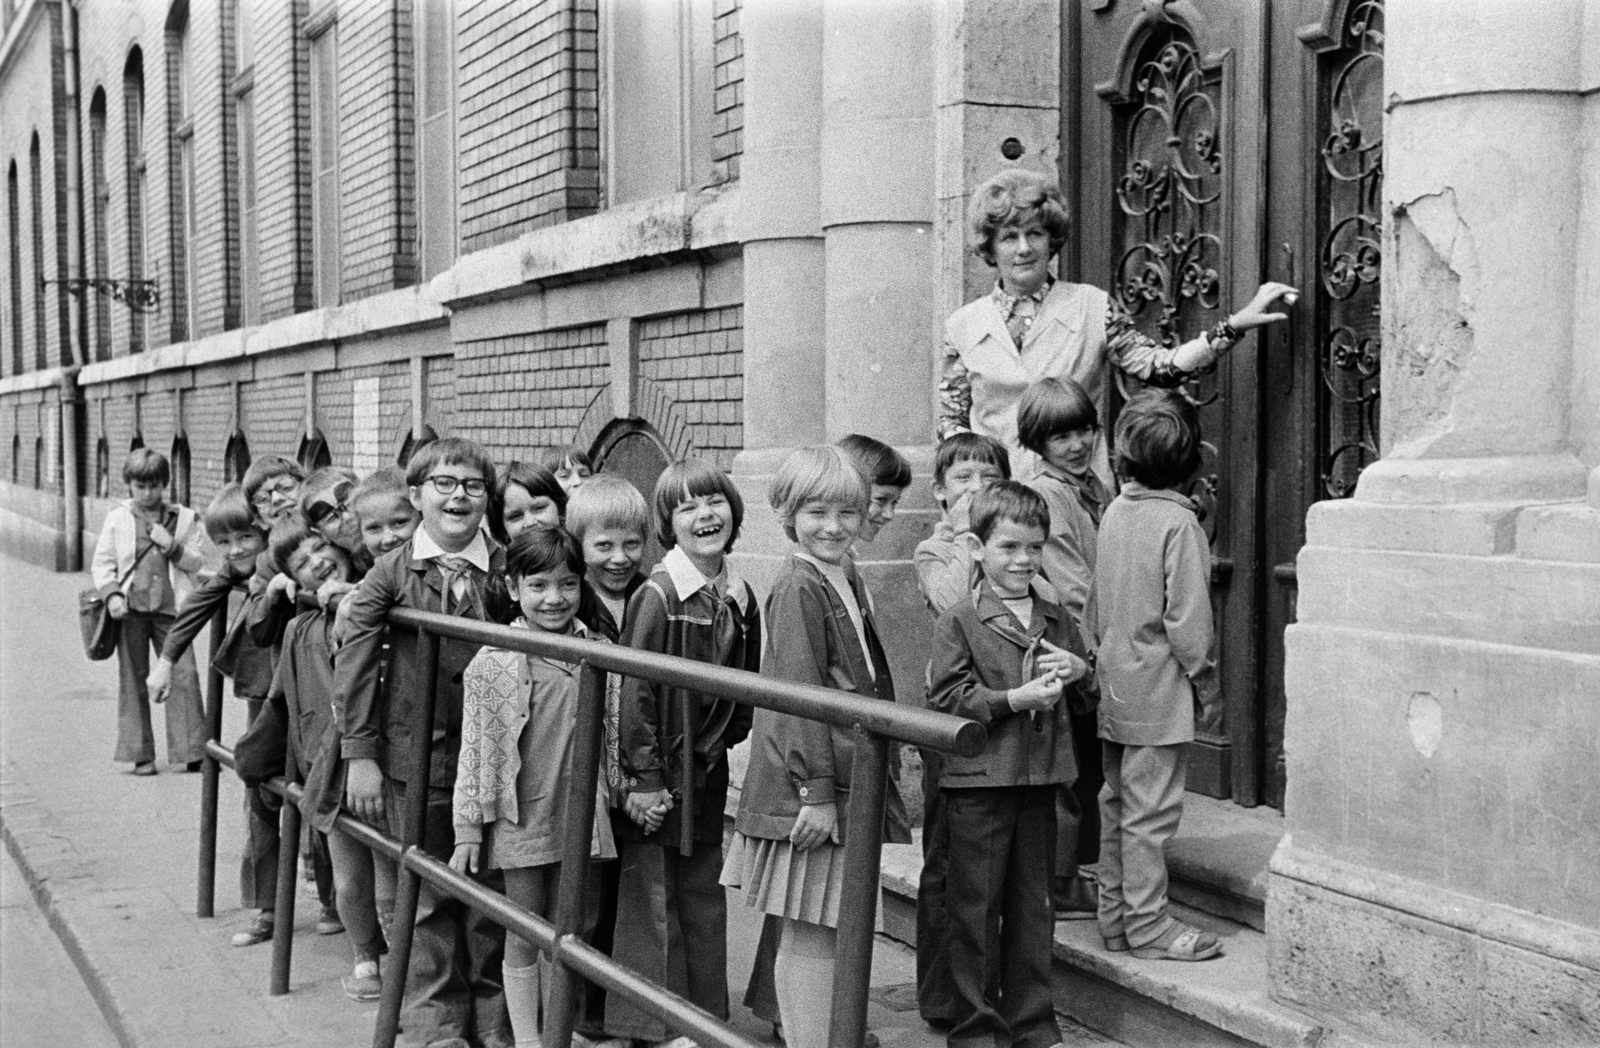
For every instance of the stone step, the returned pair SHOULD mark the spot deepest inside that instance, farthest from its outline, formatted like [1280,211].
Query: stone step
[1217,863]
[1221,1002]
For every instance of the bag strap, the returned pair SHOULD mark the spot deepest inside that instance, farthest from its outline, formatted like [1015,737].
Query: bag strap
[129,573]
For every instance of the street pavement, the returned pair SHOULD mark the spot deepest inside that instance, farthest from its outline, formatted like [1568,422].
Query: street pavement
[110,861]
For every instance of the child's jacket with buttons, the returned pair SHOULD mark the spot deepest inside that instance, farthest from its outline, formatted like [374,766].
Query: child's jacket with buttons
[980,652]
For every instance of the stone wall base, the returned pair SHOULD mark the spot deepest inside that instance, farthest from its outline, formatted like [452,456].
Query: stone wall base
[1412,964]
[31,526]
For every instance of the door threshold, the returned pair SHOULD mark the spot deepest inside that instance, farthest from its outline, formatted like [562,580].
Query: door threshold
[1218,860]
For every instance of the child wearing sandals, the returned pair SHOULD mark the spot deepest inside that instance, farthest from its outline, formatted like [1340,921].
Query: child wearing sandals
[1150,611]
[519,720]
[787,854]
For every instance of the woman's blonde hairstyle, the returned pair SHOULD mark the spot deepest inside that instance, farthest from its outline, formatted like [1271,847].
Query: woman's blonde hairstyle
[823,472]
[1016,195]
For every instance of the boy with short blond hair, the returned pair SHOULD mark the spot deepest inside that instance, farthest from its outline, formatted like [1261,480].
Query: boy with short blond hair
[609,518]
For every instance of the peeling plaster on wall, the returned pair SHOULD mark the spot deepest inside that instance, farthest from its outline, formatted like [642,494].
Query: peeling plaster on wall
[1434,281]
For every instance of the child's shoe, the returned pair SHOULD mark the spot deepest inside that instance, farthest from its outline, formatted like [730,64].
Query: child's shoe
[328,922]
[363,984]
[144,768]
[260,930]
[1181,943]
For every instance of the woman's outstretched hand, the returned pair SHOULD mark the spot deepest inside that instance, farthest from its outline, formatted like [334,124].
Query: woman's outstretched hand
[1255,314]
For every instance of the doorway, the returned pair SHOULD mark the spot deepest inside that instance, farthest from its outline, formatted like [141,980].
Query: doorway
[1208,146]
[631,449]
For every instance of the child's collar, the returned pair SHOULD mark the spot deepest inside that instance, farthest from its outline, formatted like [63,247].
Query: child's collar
[993,612]
[688,580]
[425,548]
[1134,490]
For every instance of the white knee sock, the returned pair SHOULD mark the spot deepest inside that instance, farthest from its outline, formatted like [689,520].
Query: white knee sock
[522,1003]
[803,973]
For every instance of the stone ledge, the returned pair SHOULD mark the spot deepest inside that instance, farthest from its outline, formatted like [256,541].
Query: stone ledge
[1470,529]
[616,237]
[1512,478]
[31,380]
[1543,604]
[1568,532]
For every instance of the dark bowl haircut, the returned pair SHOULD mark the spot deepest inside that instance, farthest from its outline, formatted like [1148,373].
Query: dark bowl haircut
[1158,439]
[147,467]
[1051,407]
[229,512]
[286,537]
[269,467]
[552,457]
[538,550]
[531,477]
[1008,500]
[691,479]
[877,461]
[970,447]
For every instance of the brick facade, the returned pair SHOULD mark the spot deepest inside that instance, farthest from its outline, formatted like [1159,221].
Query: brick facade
[528,116]
[526,391]
[696,360]
[727,125]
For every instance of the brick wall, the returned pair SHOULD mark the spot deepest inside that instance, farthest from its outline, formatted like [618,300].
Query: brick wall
[727,122]
[377,192]
[274,415]
[216,157]
[527,116]
[283,158]
[697,360]
[525,391]
[207,420]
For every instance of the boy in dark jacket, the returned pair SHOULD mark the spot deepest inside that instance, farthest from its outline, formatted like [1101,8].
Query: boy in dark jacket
[1011,660]
[453,989]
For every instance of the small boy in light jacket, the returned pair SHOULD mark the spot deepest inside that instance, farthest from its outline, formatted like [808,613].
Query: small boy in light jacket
[1011,659]
[1150,611]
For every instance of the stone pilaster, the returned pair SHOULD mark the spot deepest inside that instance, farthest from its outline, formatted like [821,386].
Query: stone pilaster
[1442,680]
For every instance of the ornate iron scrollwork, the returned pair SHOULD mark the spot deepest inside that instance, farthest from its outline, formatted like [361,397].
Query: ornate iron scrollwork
[1351,251]
[141,296]
[1169,199]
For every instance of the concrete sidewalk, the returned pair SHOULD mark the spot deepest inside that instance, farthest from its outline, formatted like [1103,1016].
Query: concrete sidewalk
[111,859]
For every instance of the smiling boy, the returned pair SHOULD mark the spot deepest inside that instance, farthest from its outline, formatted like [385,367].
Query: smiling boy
[448,565]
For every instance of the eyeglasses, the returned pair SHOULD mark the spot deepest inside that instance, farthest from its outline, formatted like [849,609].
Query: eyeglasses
[263,495]
[474,487]
[322,509]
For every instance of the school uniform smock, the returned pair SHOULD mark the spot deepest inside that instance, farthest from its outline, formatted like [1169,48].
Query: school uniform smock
[1076,505]
[247,664]
[518,725]
[1151,614]
[980,652]
[678,611]
[828,639]
[414,575]
[126,533]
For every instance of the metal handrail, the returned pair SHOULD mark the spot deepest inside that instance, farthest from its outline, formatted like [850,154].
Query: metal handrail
[874,721]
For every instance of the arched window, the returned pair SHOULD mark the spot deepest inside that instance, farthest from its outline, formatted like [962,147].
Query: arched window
[133,123]
[102,468]
[38,462]
[235,458]
[185,286]
[409,446]
[314,453]
[137,442]
[99,206]
[14,223]
[41,331]
[16,458]
[180,469]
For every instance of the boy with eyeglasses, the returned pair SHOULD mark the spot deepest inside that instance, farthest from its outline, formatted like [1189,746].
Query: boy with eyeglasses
[450,565]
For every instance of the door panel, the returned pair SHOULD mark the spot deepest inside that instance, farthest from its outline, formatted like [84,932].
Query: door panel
[1208,146]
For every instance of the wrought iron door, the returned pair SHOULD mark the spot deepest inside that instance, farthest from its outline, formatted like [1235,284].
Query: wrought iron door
[1207,146]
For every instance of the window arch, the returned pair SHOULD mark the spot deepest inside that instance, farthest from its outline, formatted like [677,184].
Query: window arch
[133,127]
[314,453]
[99,207]
[14,223]
[41,355]
[235,458]
[136,443]
[182,229]
[102,468]
[179,460]
[412,442]
[16,458]
[38,462]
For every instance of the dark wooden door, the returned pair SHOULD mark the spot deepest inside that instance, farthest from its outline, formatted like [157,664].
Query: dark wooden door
[1208,146]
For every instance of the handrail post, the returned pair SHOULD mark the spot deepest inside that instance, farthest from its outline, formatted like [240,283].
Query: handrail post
[206,879]
[566,986]
[407,883]
[283,917]
[858,909]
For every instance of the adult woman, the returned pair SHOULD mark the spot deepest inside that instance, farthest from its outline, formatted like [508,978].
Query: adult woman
[1032,326]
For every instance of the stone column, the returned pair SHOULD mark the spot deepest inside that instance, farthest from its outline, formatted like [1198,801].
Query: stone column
[1442,716]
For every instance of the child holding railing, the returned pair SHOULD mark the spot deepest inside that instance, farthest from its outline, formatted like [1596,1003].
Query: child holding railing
[787,856]
[674,751]
[519,720]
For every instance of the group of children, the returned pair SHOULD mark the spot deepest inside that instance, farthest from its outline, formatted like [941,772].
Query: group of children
[1051,599]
